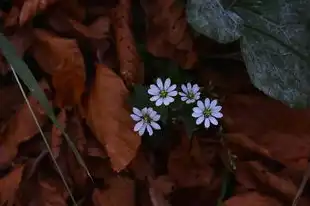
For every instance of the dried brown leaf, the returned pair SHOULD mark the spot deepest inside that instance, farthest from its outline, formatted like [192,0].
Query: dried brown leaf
[121,191]
[31,7]
[63,60]
[253,199]
[167,32]
[56,139]
[20,128]
[109,118]
[9,185]
[186,168]
[131,66]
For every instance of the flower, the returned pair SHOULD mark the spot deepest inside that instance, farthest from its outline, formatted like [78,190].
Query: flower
[162,92]
[146,119]
[207,112]
[190,93]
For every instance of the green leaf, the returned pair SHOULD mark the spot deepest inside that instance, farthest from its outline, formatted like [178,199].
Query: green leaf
[275,45]
[209,18]
[27,77]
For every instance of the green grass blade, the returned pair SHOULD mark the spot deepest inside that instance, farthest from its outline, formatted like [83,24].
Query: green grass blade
[44,138]
[24,73]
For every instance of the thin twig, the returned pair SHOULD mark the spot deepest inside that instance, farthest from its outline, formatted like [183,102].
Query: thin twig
[43,136]
[302,186]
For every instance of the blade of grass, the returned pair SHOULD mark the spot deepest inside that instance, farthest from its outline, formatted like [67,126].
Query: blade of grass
[302,186]
[44,138]
[24,73]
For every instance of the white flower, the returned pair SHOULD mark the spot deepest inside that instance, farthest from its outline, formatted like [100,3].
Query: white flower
[146,119]
[162,92]
[190,93]
[207,112]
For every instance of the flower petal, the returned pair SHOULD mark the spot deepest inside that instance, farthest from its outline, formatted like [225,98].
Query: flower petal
[207,123]
[197,110]
[201,105]
[200,120]
[159,102]
[149,130]
[135,117]
[152,113]
[159,83]
[173,93]
[155,125]
[167,83]
[168,100]
[144,111]
[217,114]
[153,90]
[213,103]
[216,109]
[171,88]
[213,120]
[136,111]
[184,98]
[197,96]
[184,89]
[189,86]
[195,88]
[189,101]
[138,126]
[154,98]
[196,115]
[207,102]
[142,129]
[182,94]
[156,117]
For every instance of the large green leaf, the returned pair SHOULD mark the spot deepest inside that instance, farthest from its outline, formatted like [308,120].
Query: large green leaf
[209,17]
[275,45]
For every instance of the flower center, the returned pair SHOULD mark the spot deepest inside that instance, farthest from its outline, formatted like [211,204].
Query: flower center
[163,94]
[191,95]
[207,112]
[147,118]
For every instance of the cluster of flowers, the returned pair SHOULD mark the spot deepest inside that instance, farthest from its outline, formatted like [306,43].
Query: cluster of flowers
[163,93]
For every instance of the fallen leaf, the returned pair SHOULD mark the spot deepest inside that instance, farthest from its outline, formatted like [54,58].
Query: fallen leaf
[131,66]
[141,166]
[162,184]
[167,32]
[186,168]
[157,198]
[121,191]
[20,128]
[109,118]
[244,147]
[283,131]
[62,59]
[50,192]
[31,7]
[9,185]
[253,199]
[12,18]
[56,139]
[254,175]
[10,99]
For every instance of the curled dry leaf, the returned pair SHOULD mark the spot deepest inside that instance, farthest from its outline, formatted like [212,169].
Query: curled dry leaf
[63,60]
[253,175]
[131,66]
[185,166]
[120,191]
[167,32]
[253,199]
[20,128]
[50,192]
[109,118]
[269,122]
[10,100]
[9,185]
[56,139]
[31,7]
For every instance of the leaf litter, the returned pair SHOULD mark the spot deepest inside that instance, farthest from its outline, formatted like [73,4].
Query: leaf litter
[86,56]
